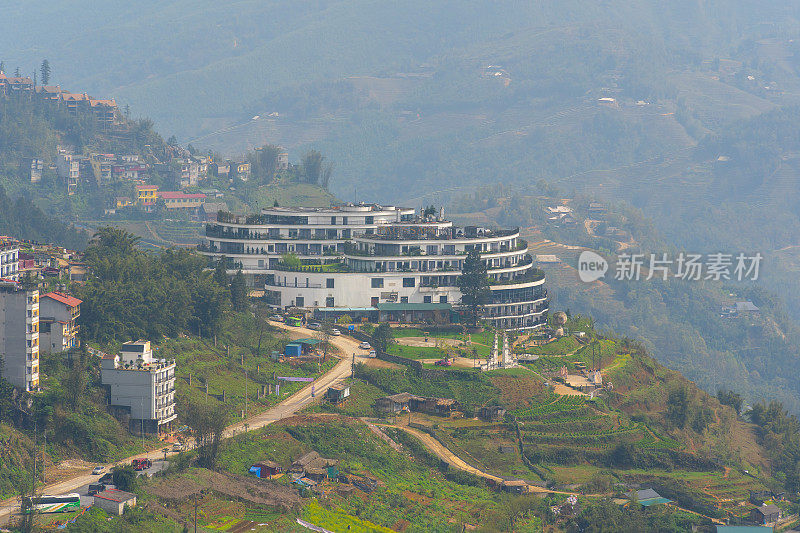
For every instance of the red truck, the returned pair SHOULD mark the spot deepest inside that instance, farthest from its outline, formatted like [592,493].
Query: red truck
[142,464]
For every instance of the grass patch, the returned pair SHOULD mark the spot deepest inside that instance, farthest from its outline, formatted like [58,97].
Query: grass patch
[336,520]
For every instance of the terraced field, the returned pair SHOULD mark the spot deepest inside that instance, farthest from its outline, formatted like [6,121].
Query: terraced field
[575,422]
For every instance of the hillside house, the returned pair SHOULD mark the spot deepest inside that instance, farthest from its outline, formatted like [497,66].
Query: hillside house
[434,406]
[114,501]
[282,161]
[491,413]
[313,463]
[266,470]
[240,169]
[36,170]
[337,393]
[395,403]
[176,200]
[208,211]
[766,514]
[221,169]
[146,196]
[58,328]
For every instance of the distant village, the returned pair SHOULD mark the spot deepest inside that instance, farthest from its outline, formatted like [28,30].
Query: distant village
[182,172]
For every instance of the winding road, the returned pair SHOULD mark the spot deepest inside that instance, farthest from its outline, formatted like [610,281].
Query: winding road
[284,409]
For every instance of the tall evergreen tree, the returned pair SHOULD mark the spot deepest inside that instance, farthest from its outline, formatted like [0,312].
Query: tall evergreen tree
[220,274]
[45,70]
[239,292]
[474,285]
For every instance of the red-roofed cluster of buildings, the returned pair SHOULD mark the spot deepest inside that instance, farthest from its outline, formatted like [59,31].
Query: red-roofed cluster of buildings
[105,110]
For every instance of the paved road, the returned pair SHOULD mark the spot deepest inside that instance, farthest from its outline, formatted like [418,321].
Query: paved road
[284,409]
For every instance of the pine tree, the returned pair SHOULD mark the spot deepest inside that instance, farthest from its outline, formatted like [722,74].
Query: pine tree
[239,292]
[45,70]
[220,274]
[474,285]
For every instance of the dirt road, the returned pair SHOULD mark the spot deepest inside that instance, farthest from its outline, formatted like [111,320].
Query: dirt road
[284,409]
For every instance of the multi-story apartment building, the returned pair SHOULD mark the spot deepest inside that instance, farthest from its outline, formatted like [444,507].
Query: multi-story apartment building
[146,196]
[36,170]
[58,328]
[241,170]
[69,169]
[19,335]
[141,387]
[383,260]
[9,260]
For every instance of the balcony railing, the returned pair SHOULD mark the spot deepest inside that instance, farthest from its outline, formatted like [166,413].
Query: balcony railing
[532,275]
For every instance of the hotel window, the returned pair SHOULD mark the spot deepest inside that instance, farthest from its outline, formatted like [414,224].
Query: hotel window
[409,282]
[404,299]
[329,283]
[377,283]
[442,299]
[426,299]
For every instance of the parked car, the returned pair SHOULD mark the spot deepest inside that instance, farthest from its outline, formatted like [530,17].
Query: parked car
[364,345]
[94,488]
[177,447]
[335,332]
[373,353]
[443,362]
[276,318]
[107,479]
[96,471]
[314,325]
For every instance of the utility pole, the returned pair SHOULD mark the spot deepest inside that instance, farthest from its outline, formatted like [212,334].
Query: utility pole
[195,512]
[245,392]
[35,451]
[141,406]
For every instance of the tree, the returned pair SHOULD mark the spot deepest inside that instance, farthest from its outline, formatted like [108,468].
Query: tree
[239,298]
[124,477]
[264,162]
[731,398]
[474,285]
[45,70]
[678,406]
[315,170]
[76,381]
[220,273]
[290,260]
[206,424]
[383,337]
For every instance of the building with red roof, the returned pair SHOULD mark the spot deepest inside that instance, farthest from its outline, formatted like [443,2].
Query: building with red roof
[182,200]
[58,328]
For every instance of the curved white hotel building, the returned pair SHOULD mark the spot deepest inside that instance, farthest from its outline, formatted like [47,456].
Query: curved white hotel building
[373,258]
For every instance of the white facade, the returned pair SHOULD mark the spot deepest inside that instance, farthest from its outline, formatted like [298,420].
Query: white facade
[9,261]
[69,169]
[144,386]
[373,257]
[19,335]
